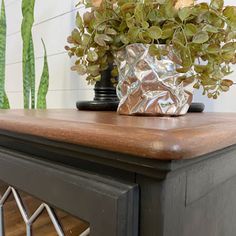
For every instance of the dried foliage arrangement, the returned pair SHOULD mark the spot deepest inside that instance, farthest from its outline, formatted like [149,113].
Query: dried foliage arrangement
[202,36]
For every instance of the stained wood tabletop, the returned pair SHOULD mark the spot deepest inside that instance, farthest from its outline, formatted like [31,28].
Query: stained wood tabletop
[161,138]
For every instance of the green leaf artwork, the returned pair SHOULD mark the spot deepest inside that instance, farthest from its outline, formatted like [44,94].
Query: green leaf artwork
[44,83]
[30,75]
[28,54]
[4,103]
[201,32]
[29,90]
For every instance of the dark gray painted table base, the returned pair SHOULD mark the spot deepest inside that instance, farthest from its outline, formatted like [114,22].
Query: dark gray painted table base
[124,195]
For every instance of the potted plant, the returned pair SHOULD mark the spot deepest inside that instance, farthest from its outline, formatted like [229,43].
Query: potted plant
[161,50]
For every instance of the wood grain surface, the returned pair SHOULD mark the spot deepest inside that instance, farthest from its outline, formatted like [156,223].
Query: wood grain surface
[162,138]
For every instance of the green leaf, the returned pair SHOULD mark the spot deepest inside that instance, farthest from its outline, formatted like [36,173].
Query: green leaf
[124,39]
[184,13]
[94,70]
[92,56]
[217,4]
[99,40]
[133,34]
[200,68]
[144,37]
[166,33]
[93,79]
[155,32]
[101,27]
[155,51]
[168,8]
[80,68]
[213,49]
[196,86]
[231,36]
[4,103]
[224,88]
[28,52]
[85,40]
[115,72]
[227,82]
[44,83]
[229,47]
[228,56]
[178,44]
[127,6]
[153,15]
[210,29]
[186,58]
[87,17]
[79,52]
[79,22]
[107,38]
[230,13]
[130,21]
[111,31]
[139,12]
[76,36]
[201,37]
[190,29]
[145,25]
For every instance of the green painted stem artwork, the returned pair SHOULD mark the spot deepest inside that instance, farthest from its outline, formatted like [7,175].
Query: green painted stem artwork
[28,53]
[29,62]
[44,83]
[4,103]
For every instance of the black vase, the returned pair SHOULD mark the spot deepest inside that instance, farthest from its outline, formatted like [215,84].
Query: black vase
[105,98]
[196,107]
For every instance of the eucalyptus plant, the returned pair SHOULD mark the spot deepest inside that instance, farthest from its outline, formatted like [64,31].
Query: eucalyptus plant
[202,36]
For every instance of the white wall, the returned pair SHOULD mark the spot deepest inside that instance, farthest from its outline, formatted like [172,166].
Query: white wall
[54,20]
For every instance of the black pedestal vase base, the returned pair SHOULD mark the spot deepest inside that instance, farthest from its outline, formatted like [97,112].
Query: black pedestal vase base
[105,95]
[196,107]
[97,105]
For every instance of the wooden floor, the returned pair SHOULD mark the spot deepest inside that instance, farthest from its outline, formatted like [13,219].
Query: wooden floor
[15,226]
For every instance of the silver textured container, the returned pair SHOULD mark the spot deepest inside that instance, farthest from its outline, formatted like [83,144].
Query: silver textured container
[148,86]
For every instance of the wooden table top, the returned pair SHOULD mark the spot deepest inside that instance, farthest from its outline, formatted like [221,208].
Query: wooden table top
[161,138]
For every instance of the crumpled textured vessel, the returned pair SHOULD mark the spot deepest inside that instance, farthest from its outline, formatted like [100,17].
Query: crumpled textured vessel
[148,86]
